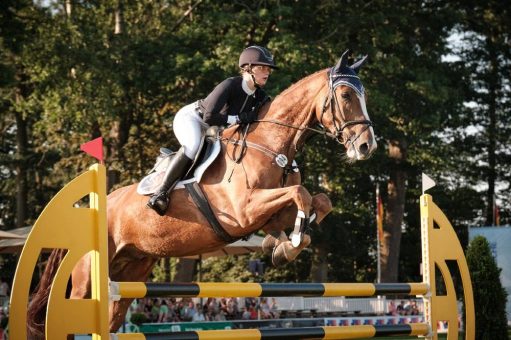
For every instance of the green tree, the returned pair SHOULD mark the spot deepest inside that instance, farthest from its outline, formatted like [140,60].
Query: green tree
[122,69]
[18,23]
[483,37]
[489,295]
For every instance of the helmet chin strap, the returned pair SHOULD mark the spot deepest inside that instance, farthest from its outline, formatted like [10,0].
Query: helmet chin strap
[257,86]
[255,83]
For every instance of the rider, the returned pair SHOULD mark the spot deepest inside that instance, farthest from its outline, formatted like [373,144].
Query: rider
[236,100]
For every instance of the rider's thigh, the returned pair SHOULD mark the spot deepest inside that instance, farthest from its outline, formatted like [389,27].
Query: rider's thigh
[188,128]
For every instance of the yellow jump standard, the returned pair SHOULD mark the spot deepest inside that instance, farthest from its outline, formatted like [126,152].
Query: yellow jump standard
[84,230]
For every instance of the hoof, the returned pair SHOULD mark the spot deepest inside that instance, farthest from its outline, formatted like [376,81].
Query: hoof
[279,257]
[269,243]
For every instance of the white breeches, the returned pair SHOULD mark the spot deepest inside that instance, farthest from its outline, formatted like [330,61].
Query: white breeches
[188,126]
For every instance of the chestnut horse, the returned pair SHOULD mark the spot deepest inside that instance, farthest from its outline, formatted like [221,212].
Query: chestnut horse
[246,196]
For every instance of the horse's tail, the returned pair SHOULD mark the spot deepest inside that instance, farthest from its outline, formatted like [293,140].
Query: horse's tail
[36,315]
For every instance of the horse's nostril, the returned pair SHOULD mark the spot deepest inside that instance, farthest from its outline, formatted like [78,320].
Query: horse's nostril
[363,148]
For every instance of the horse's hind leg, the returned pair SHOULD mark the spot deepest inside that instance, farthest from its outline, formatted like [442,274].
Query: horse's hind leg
[81,279]
[126,266]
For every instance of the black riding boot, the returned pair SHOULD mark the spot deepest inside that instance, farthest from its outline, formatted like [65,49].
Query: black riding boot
[179,165]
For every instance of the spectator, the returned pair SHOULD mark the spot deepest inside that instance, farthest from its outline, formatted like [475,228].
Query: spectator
[220,316]
[245,315]
[274,310]
[414,310]
[199,315]
[213,306]
[407,307]
[401,308]
[163,313]
[173,315]
[232,309]
[209,316]
[189,311]
[3,323]
[148,305]
[155,310]
[223,304]
[253,312]
[392,308]
[250,302]
[265,309]
[4,288]
[180,310]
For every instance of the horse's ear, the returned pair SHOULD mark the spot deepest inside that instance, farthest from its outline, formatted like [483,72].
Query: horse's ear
[358,64]
[343,62]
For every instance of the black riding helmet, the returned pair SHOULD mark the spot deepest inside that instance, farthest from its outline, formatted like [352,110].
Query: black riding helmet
[256,55]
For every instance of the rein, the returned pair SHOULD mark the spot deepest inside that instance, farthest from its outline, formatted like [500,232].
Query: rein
[333,83]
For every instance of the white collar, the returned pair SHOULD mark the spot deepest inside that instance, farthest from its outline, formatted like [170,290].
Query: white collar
[244,86]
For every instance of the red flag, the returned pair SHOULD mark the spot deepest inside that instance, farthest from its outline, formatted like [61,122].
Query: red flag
[94,148]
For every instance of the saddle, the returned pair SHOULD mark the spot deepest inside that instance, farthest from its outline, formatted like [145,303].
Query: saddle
[208,151]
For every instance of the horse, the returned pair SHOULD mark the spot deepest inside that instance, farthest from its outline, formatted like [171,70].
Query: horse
[250,186]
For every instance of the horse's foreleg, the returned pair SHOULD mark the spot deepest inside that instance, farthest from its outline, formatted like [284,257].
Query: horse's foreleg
[277,243]
[322,206]
[285,252]
[262,204]
[284,204]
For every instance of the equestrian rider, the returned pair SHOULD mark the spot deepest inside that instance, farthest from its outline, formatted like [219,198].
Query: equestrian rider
[236,100]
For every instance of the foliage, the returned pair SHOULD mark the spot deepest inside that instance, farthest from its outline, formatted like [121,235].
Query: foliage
[482,126]
[489,295]
[122,69]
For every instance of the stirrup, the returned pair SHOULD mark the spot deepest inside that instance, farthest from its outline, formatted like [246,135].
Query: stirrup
[159,202]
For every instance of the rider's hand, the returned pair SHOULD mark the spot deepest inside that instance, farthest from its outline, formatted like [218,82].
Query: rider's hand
[248,117]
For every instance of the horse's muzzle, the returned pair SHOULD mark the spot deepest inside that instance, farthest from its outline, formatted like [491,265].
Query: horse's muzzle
[365,150]
[361,151]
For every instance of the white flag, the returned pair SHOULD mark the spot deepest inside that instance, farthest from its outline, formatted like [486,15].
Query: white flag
[427,183]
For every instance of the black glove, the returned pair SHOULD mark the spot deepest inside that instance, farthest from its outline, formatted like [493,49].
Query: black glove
[248,117]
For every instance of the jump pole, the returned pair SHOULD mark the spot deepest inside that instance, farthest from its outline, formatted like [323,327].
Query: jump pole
[83,230]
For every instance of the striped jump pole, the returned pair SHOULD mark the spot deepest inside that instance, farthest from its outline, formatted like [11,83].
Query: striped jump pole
[235,289]
[89,235]
[326,332]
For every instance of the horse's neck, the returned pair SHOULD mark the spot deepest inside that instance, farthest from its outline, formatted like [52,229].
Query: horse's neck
[295,107]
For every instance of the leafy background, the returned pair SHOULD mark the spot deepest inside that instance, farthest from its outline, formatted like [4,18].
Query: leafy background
[438,92]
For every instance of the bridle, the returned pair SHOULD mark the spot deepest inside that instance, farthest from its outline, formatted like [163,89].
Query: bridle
[334,80]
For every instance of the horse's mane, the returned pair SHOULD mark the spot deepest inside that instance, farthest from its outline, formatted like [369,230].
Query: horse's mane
[299,83]
[283,94]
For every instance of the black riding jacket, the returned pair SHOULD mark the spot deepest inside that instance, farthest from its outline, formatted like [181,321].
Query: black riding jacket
[229,99]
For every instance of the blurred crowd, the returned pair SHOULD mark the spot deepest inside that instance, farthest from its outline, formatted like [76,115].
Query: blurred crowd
[403,308]
[211,309]
[4,303]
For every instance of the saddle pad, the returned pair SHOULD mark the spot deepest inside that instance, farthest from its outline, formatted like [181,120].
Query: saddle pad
[150,183]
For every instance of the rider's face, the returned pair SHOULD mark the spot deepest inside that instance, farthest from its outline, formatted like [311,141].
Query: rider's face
[261,74]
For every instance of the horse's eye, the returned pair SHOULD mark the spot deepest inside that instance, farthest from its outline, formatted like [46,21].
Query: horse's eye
[346,96]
